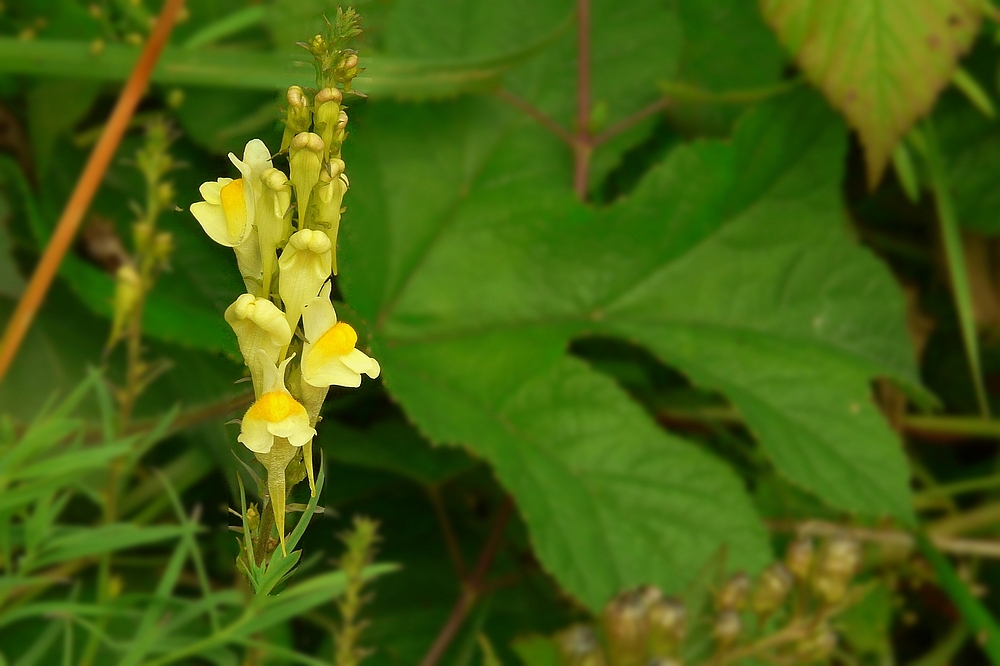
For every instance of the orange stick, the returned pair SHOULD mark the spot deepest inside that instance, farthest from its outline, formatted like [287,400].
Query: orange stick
[87,186]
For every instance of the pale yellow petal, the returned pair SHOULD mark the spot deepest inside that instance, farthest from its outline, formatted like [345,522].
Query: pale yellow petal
[318,315]
[295,428]
[212,219]
[210,190]
[330,372]
[254,434]
[360,362]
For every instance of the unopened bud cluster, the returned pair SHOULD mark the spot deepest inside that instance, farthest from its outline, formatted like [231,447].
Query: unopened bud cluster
[152,249]
[781,617]
[283,227]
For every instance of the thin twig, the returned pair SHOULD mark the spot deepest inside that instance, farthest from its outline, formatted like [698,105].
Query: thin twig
[536,114]
[582,146]
[449,533]
[472,587]
[956,546]
[629,121]
[87,186]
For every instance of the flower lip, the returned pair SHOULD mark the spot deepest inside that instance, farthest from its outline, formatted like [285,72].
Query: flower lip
[234,206]
[338,341]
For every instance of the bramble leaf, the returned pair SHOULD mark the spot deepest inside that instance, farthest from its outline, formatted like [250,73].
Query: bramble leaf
[461,212]
[881,63]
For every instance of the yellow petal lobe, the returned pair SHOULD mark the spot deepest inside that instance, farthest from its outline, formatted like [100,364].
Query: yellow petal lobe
[235,207]
[274,407]
[336,342]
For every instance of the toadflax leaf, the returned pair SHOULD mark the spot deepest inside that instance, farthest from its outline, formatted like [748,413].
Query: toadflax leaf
[881,63]
[475,266]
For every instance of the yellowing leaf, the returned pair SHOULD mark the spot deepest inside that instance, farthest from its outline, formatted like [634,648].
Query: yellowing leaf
[881,63]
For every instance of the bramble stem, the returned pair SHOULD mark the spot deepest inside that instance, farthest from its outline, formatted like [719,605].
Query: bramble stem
[472,587]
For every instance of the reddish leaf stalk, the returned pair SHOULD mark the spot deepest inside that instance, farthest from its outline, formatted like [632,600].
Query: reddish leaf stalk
[472,587]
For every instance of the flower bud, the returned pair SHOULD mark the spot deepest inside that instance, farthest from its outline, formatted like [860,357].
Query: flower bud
[329,204]
[274,220]
[578,646]
[627,628]
[727,628]
[733,595]
[837,563]
[163,246]
[128,296]
[327,114]
[305,264]
[298,117]
[772,588]
[799,557]
[305,161]
[142,234]
[260,327]
[667,625]
[253,518]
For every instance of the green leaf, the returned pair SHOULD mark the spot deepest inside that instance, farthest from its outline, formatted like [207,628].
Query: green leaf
[727,48]
[537,651]
[730,262]
[881,63]
[633,45]
[54,108]
[392,446]
[297,599]
[74,543]
[257,70]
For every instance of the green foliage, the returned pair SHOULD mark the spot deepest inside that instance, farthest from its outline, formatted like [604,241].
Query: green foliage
[663,320]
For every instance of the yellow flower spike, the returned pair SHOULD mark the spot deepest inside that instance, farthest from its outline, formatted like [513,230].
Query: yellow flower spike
[305,159]
[330,193]
[305,264]
[260,327]
[274,220]
[275,414]
[329,357]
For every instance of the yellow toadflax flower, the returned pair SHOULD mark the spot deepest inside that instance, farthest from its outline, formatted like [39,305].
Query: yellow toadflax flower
[260,327]
[304,265]
[275,413]
[275,428]
[226,214]
[330,357]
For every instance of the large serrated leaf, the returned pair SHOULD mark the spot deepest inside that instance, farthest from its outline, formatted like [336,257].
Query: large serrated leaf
[881,63]
[730,261]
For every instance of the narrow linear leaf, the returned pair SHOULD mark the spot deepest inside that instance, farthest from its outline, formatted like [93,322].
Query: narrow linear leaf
[979,618]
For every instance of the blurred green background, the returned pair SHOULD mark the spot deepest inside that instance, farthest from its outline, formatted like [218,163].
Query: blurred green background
[672,289]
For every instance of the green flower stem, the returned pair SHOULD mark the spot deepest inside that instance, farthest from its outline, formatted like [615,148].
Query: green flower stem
[943,426]
[959,488]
